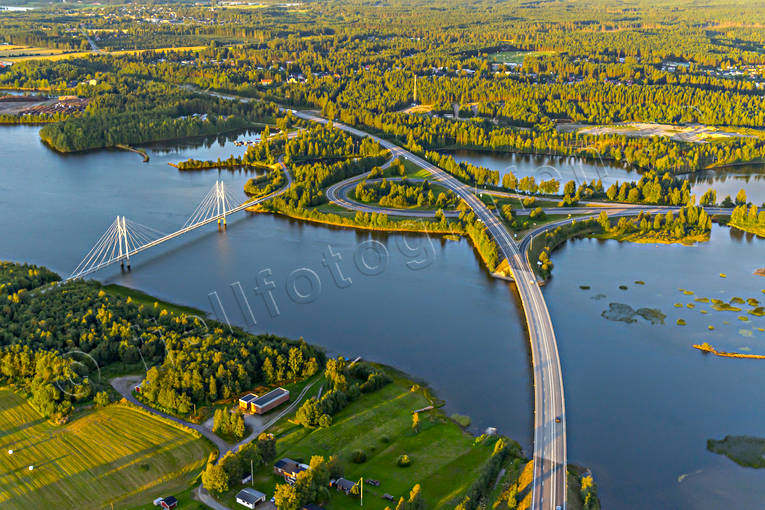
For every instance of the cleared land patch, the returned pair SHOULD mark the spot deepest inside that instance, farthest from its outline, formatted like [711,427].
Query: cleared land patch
[696,133]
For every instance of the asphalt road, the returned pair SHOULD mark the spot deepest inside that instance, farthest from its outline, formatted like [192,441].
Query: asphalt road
[549,485]
[549,481]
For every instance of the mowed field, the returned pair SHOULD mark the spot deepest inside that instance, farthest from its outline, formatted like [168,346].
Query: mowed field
[114,455]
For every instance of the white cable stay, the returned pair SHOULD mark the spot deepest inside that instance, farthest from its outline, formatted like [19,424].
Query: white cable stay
[125,238]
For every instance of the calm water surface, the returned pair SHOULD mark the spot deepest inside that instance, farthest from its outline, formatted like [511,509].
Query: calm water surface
[726,181]
[449,324]
[641,403]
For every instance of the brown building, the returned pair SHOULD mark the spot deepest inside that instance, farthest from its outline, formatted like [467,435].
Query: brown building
[272,399]
[251,403]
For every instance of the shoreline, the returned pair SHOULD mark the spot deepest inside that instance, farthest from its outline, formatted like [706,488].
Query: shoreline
[140,152]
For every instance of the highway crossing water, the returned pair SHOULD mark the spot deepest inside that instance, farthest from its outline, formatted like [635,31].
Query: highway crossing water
[640,402]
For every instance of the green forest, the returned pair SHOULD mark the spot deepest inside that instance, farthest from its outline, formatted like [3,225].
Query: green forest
[55,343]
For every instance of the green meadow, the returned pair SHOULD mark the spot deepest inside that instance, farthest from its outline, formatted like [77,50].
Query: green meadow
[446,460]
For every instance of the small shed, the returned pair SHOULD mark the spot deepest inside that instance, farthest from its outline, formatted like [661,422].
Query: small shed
[169,503]
[250,497]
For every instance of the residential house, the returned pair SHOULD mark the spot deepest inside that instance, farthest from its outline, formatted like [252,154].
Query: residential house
[289,469]
[344,485]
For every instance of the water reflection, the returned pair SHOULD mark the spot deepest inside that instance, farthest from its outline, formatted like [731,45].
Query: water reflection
[726,181]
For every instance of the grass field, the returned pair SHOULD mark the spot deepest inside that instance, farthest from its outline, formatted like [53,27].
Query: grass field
[445,460]
[114,455]
[13,52]
[413,171]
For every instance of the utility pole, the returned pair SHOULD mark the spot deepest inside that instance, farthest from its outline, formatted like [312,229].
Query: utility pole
[361,484]
[252,475]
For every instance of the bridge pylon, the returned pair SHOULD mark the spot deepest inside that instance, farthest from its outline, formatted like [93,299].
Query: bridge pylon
[220,204]
[122,242]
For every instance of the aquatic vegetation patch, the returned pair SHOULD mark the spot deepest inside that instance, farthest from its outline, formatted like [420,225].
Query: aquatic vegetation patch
[746,451]
[639,282]
[623,287]
[584,287]
[691,305]
[680,322]
[758,312]
[725,307]
[620,312]
[737,301]
[702,300]
[598,297]
[688,292]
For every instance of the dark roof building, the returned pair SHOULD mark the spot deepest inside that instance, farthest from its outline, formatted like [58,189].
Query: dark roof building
[289,468]
[270,400]
[169,503]
[250,497]
[244,402]
[344,485]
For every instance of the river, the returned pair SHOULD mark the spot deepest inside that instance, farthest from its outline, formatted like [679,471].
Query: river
[449,323]
[641,402]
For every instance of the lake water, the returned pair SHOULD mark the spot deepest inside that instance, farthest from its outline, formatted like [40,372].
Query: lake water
[641,402]
[726,181]
[449,323]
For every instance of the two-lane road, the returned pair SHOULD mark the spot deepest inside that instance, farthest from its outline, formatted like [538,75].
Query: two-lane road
[549,485]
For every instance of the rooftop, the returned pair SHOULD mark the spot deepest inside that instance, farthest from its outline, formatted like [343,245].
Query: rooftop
[270,397]
[250,495]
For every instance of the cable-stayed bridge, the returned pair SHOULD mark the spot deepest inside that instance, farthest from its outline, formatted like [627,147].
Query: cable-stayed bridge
[125,238]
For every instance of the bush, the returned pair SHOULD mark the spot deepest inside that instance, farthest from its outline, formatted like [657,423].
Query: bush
[461,420]
[358,456]
[385,439]
[325,421]
[404,461]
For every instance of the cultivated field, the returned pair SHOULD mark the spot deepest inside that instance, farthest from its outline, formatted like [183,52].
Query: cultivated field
[114,455]
[21,53]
